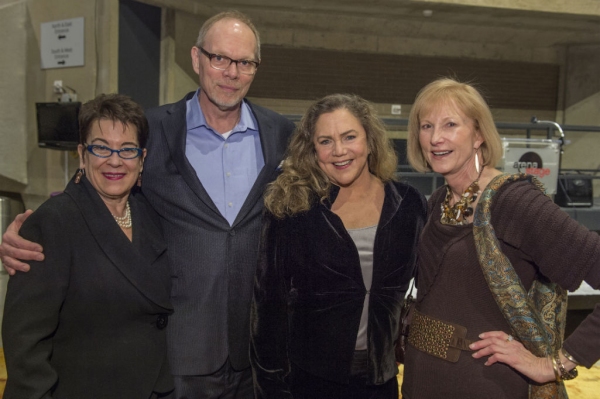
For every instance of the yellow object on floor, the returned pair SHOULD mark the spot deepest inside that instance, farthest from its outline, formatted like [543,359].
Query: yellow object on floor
[585,386]
[2,373]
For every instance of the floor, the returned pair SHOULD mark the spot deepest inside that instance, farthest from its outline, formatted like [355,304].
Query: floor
[586,386]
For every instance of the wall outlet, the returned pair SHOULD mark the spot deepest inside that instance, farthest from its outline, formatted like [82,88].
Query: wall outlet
[58,87]
[396,109]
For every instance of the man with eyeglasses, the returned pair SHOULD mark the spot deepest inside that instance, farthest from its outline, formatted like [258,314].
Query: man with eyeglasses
[210,157]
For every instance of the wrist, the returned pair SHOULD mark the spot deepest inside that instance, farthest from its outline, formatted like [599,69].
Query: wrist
[564,369]
[567,360]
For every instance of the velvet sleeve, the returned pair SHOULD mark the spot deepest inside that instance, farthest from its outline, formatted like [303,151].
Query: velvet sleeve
[268,318]
[32,308]
[565,252]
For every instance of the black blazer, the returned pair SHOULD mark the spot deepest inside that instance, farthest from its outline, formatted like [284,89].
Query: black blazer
[309,292]
[88,321]
[213,264]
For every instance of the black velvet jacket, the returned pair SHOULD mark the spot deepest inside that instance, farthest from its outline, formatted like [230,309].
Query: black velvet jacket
[309,292]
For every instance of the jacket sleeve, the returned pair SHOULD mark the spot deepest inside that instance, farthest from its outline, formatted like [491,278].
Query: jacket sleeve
[32,307]
[565,252]
[268,318]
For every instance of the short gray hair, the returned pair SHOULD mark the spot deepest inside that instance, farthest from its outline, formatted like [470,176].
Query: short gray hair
[231,14]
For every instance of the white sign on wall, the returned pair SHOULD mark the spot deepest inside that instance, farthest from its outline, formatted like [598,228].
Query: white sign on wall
[62,43]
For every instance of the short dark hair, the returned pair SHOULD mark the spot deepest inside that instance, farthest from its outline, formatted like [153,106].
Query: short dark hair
[114,107]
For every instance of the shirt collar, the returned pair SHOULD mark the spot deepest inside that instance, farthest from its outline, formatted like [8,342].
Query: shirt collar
[196,119]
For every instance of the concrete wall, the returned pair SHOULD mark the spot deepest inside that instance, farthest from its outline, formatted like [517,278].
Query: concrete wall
[13,20]
[582,107]
[591,7]
[25,168]
[183,27]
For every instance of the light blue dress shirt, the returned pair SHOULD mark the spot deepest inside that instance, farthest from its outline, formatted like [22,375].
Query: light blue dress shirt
[227,168]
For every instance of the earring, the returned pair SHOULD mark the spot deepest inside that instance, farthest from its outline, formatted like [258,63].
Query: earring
[139,181]
[80,173]
[477,161]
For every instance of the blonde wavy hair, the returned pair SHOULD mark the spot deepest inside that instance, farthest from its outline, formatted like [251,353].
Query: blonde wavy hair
[468,100]
[302,182]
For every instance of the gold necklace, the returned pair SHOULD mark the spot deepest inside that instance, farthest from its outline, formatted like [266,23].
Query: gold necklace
[124,221]
[457,214]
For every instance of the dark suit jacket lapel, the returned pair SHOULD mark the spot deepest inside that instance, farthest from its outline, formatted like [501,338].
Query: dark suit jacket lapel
[118,248]
[174,129]
[269,141]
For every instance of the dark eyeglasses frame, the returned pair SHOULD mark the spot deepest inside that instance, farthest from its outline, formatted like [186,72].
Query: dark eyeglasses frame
[231,60]
[90,148]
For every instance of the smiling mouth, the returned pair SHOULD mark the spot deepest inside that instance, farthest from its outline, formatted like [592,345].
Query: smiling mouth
[342,163]
[114,176]
[440,153]
[229,88]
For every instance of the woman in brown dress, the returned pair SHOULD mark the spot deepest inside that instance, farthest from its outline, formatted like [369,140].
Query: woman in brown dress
[494,265]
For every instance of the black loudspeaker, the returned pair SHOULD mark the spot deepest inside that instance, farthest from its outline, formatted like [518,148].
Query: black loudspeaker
[574,190]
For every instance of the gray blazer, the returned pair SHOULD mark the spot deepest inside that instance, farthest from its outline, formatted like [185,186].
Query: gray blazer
[212,263]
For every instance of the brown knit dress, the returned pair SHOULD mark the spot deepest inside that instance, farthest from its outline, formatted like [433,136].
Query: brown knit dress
[541,241]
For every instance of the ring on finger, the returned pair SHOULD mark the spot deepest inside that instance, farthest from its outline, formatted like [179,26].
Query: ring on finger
[509,338]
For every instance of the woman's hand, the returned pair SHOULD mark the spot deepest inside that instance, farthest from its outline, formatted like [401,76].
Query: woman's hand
[502,347]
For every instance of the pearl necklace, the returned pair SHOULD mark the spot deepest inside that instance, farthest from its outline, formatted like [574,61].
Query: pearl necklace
[457,214]
[124,221]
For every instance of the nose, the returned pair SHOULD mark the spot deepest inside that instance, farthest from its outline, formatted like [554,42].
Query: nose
[339,148]
[436,136]
[232,70]
[114,159]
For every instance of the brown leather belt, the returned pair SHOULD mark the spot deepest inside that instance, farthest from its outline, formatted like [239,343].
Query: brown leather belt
[438,338]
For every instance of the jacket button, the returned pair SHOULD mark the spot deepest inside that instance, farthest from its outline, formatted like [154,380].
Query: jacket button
[162,321]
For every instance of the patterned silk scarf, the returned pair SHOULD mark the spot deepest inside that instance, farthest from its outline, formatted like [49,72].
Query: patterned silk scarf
[537,317]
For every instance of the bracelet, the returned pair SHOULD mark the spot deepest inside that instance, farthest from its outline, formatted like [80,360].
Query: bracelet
[555,368]
[568,356]
[564,374]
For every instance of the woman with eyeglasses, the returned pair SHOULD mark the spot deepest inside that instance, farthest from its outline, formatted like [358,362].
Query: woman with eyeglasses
[89,320]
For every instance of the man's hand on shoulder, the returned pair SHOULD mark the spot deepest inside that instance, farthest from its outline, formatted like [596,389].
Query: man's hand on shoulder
[15,249]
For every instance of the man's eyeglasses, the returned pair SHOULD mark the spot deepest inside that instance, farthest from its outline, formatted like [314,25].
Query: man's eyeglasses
[105,152]
[221,62]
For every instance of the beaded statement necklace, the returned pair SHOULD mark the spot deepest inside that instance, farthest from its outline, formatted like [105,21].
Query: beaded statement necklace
[457,214]
[124,221]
